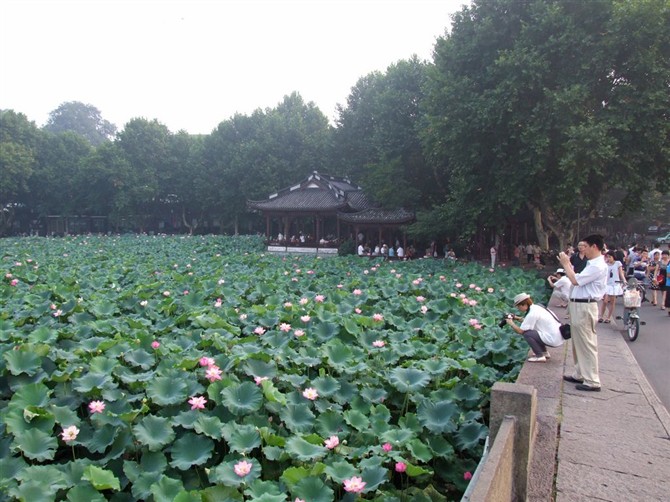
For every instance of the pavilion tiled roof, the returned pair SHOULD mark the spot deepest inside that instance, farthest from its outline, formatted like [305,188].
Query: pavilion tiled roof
[316,193]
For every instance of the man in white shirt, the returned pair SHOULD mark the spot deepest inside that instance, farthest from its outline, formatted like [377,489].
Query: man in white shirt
[589,287]
[400,252]
[561,286]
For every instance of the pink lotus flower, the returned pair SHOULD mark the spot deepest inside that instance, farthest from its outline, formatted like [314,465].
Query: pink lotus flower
[197,402]
[358,292]
[459,285]
[462,295]
[8,275]
[424,309]
[472,303]
[354,484]
[331,442]
[243,317]
[443,278]
[185,291]
[305,318]
[366,272]
[144,303]
[218,303]
[14,282]
[416,282]
[420,299]
[400,467]
[453,295]
[285,327]
[155,344]
[70,433]
[221,281]
[378,343]
[477,326]
[478,289]
[58,313]
[260,380]
[242,468]
[299,332]
[387,447]
[357,310]
[299,500]
[378,317]
[472,286]
[288,305]
[319,298]
[206,361]
[303,301]
[467,475]
[213,373]
[340,286]
[166,293]
[96,406]
[310,272]
[310,393]
[473,322]
[294,279]
[490,290]
[259,330]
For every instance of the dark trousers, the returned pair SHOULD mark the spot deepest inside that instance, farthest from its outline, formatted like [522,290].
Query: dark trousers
[535,342]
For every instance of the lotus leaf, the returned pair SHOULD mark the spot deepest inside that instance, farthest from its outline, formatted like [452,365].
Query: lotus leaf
[408,379]
[191,449]
[242,438]
[154,432]
[36,444]
[313,489]
[298,418]
[165,391]
[437,417]
[243,398]
[304,451]
[341,470]
[166,489]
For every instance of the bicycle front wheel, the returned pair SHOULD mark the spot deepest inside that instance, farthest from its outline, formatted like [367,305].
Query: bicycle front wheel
[633,328]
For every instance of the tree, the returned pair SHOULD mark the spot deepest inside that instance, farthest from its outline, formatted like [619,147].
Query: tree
[82,119]
[146,149]
[248,157]
[18,143]
[59,182]
[546,104]
[378,136]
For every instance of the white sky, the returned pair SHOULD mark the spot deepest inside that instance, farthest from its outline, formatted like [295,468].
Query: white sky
[193,64]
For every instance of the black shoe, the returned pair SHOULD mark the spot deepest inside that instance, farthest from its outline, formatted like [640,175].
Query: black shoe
[581,386]
[570,379]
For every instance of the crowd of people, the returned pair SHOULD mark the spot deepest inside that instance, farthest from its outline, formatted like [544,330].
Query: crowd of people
[588,283]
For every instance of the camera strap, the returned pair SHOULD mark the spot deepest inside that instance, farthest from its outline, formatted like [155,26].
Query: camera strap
[552,314]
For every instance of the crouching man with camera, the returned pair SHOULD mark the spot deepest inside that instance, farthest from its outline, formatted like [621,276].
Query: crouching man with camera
[540,327]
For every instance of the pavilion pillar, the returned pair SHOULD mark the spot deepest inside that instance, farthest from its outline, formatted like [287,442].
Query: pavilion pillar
[268,233]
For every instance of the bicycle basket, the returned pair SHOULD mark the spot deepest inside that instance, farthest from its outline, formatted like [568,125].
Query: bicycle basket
[631,298]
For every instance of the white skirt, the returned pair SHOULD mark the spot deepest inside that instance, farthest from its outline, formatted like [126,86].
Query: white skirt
[614,290]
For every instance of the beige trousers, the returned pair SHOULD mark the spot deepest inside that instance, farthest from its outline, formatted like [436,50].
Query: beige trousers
[583,319]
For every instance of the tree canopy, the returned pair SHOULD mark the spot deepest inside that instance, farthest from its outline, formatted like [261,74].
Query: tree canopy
[549,110]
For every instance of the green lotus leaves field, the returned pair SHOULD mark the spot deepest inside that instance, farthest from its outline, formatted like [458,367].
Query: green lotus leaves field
[201,369]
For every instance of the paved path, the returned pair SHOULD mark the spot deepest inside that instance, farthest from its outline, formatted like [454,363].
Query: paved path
[613,445]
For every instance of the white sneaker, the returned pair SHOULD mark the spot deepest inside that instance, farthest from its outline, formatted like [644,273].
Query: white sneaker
[536,359]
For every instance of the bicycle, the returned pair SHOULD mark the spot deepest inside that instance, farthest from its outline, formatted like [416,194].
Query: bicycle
[633,296]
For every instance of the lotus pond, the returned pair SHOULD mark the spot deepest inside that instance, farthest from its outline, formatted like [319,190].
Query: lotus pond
[202,369]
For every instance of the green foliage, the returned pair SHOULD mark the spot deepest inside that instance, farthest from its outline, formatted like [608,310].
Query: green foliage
[133,330]
[548,105]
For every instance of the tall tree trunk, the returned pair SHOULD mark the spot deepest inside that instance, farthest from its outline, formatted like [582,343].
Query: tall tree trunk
[540,232]
[191,228]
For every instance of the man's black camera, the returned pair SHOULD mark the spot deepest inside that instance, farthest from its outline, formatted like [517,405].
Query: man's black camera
[504,319]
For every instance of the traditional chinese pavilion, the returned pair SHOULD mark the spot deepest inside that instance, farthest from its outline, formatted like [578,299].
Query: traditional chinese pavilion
[322,210]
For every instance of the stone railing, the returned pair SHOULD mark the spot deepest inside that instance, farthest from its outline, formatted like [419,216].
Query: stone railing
[524,423]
